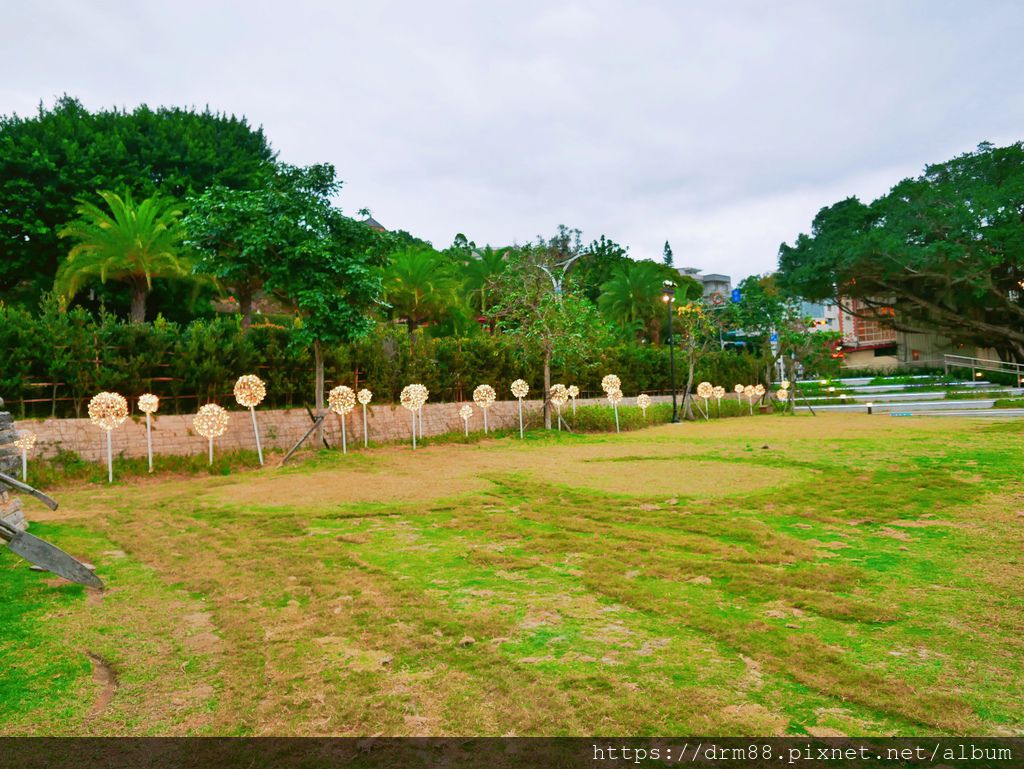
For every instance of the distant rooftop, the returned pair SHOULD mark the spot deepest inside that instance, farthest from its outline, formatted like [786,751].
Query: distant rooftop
[713,282]
[375,224]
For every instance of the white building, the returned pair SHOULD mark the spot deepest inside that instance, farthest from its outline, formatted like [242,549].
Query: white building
[717,287]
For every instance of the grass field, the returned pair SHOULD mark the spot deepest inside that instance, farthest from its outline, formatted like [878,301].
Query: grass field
[774,575]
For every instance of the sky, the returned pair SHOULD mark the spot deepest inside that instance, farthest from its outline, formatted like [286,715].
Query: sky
[720,127]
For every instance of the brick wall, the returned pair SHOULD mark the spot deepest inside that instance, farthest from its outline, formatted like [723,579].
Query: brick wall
[173,434]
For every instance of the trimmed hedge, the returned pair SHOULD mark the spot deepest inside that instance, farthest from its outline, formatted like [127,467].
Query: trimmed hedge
[54,361]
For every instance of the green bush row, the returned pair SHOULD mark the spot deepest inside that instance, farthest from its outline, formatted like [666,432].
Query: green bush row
[52,362]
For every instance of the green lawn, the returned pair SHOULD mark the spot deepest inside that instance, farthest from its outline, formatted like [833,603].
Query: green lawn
[820,575]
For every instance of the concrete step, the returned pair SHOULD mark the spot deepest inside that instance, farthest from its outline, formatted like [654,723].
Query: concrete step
[914,406]
[981,414]
[877,388]
[911,396]
[857,381]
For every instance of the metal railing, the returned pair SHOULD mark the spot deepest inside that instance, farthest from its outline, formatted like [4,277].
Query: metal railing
[982,364]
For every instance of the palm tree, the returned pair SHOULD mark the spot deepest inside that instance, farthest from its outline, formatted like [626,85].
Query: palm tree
[132,243]
[420,286]
[481,270]
[632,298]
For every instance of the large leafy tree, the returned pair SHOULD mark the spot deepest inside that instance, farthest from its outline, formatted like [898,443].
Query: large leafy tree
[598,262]
[288,238]
[323,264]
[127,242]
[946,249]
[542,311]
[57,156]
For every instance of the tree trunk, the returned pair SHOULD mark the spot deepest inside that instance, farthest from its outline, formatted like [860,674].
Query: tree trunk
[245,305]
[318,359]
[688,396]
[547,390]
[139,291]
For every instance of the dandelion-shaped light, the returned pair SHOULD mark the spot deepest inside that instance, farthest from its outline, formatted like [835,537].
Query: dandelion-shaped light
[409,398]
[611,382]
[211,422]
[420,394]
[748,393]
[520,389]
[643,400]
[25,441]
[782,395]
[574,393]
[341,400]
[148,404]
[364,397]
[705,391]
[614,396]
[718,392]
[784,384]
[759,390]
[559,395]
[108,411]
[466,412]
[249,393]
[484,396]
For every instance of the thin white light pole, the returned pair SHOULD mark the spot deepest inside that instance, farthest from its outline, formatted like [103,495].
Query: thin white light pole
[366,432]
[211,449]
[414,429]
[110,460]
[149,442]
[256,432]
[520,419]
[344,439]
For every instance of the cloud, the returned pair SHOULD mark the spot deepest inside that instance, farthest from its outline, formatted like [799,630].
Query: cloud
[722,128]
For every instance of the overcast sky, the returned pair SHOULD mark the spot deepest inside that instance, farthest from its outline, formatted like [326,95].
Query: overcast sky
[721,127]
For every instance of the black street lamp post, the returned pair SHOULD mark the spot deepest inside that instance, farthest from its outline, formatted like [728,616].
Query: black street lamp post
[668,295]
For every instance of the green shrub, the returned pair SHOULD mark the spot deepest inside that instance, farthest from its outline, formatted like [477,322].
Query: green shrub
[1009,403]
[53,361]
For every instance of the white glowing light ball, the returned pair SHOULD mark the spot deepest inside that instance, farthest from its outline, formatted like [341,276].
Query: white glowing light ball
[484,396]
[211,421]
[148,403]
[250,391]
[108,410]
[341,399]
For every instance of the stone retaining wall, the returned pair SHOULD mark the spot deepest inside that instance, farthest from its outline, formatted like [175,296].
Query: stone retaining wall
[173,434]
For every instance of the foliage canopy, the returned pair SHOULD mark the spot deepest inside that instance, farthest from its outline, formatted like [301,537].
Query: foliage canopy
[945,248]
